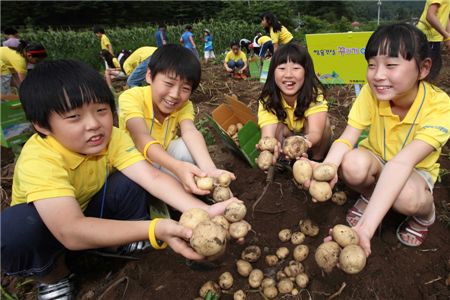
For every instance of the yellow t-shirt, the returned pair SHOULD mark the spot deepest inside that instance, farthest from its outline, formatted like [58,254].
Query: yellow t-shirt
[281,37]
[138,56]
[266,117]
[137,103]
[431,126]
[116,63]
[46,169]
[264,39]
[442,15]
[12,62]
[235,57]
[104,42]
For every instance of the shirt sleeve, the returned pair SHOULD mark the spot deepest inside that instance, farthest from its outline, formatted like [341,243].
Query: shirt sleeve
[266,117]
[361,112]
[186,112]
[122,151]
[320,105]
[227,57]
[19,64]
[131,105]
[274,36]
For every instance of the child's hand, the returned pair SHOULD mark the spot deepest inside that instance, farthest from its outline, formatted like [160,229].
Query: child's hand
[176,236]
[228,69]
[219,208]
[364,238]
[185,173]
[307,183]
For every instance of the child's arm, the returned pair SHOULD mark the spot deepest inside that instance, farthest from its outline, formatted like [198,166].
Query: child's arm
[316,124]
[432,18]
[156,153]
[197,147]
[192,41]
[390,183]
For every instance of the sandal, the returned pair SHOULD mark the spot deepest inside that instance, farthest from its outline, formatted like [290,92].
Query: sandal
[354,213]
[410,235]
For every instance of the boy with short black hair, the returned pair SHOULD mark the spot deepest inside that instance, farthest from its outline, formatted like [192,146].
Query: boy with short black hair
[104,40]
[80,183]
[154,113]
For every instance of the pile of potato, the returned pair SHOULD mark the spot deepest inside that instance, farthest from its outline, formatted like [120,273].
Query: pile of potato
[344,249]
[267,146]
[219,186]
[233,130]
[209,235]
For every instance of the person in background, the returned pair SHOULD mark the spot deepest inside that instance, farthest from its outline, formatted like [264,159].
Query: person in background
[104,40]
[209,48]
[279,34]
[187,39]
[255,46]
[135,66]
[246,44]
[434,23]
[114,69]
[266,46]
[235,61]
[12,38]
[161,35]
[13,64]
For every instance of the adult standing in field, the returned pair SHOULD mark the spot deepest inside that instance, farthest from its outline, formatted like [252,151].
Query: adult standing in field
[278,33]
[104,40]
[435,23]
[161,35]
[187,39]
[135,66]
[12,38]
[13,63]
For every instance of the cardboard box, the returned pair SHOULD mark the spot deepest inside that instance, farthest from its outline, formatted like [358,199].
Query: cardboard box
[15,129]
[234,111]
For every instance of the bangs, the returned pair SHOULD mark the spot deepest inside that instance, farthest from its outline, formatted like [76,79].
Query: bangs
[392,42]
[289,53]
[69,98]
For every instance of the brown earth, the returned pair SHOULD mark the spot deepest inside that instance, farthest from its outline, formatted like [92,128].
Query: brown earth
[393,271]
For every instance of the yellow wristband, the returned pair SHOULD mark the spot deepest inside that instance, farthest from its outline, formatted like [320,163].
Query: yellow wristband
[148,146]
[347,142]
[447,39]
[152,237]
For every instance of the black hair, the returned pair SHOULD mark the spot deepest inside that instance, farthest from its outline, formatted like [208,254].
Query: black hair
[98,29]
[122,57]
[399,39]
[60,86]
[188,27]
[272,21]
[108,57]
[162,25]
[10,31]
[35,50]
[235,43]
[271,95]
[179,60]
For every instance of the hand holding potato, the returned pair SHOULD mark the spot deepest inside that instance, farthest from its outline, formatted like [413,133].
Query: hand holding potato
[219,208]
[186,172]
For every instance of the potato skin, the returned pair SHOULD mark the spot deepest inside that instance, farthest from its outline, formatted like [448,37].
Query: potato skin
[308,227]
[344,235]
[324,172]
[327,255]
[226,280]
[294,146]
[221,193]
[239,229]
[251,253]
[300,253]
[210,286]
[208,238]
[297,238]
[285,235]
[204,183]
[267,143]
[302,171]
[192,217]
[340,198]
[235,212]
[239,295]
[270,292]
[320,190]
[224,179]
[352,259]
[264,160]
[243,267]
[285,286]
[255,278]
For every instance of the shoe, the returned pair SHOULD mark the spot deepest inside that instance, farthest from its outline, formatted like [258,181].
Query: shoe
[61,290]
[354,213]
[134,247]
[410,235]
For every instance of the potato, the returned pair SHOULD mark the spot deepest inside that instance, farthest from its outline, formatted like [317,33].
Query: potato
[297,238]
[352,259]
[239,229]
[285,235]
[255,278]
[344,235]
[271,260]
[294,146]
[294,292]
[232,129]
[324,172]
[208,238]
[267,143]
[217,255]
[268,282]
[297,266]
[251,253]
[340,198]
[221,193]
[308,227]
[270,292]
[222,221]
[293,269]
[280,275]
[223,179]
[282,252]
[192,217]
[239,126]
[204,183]
[226,280]
[264,160]
[239,295]
[235,212]
[320,190]
[285,286]
[302,171]
[243,267]
[327,255]
[210,286]
[300,252]
[302,280]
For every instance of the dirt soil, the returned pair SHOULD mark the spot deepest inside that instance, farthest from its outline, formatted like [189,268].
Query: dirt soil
[393,271]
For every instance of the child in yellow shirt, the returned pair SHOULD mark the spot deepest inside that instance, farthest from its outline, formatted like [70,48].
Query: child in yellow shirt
[235,60]
[279,34]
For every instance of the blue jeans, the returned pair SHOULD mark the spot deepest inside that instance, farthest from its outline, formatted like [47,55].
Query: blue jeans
[266,46]
[235,64]
[28,248]
[138,75]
